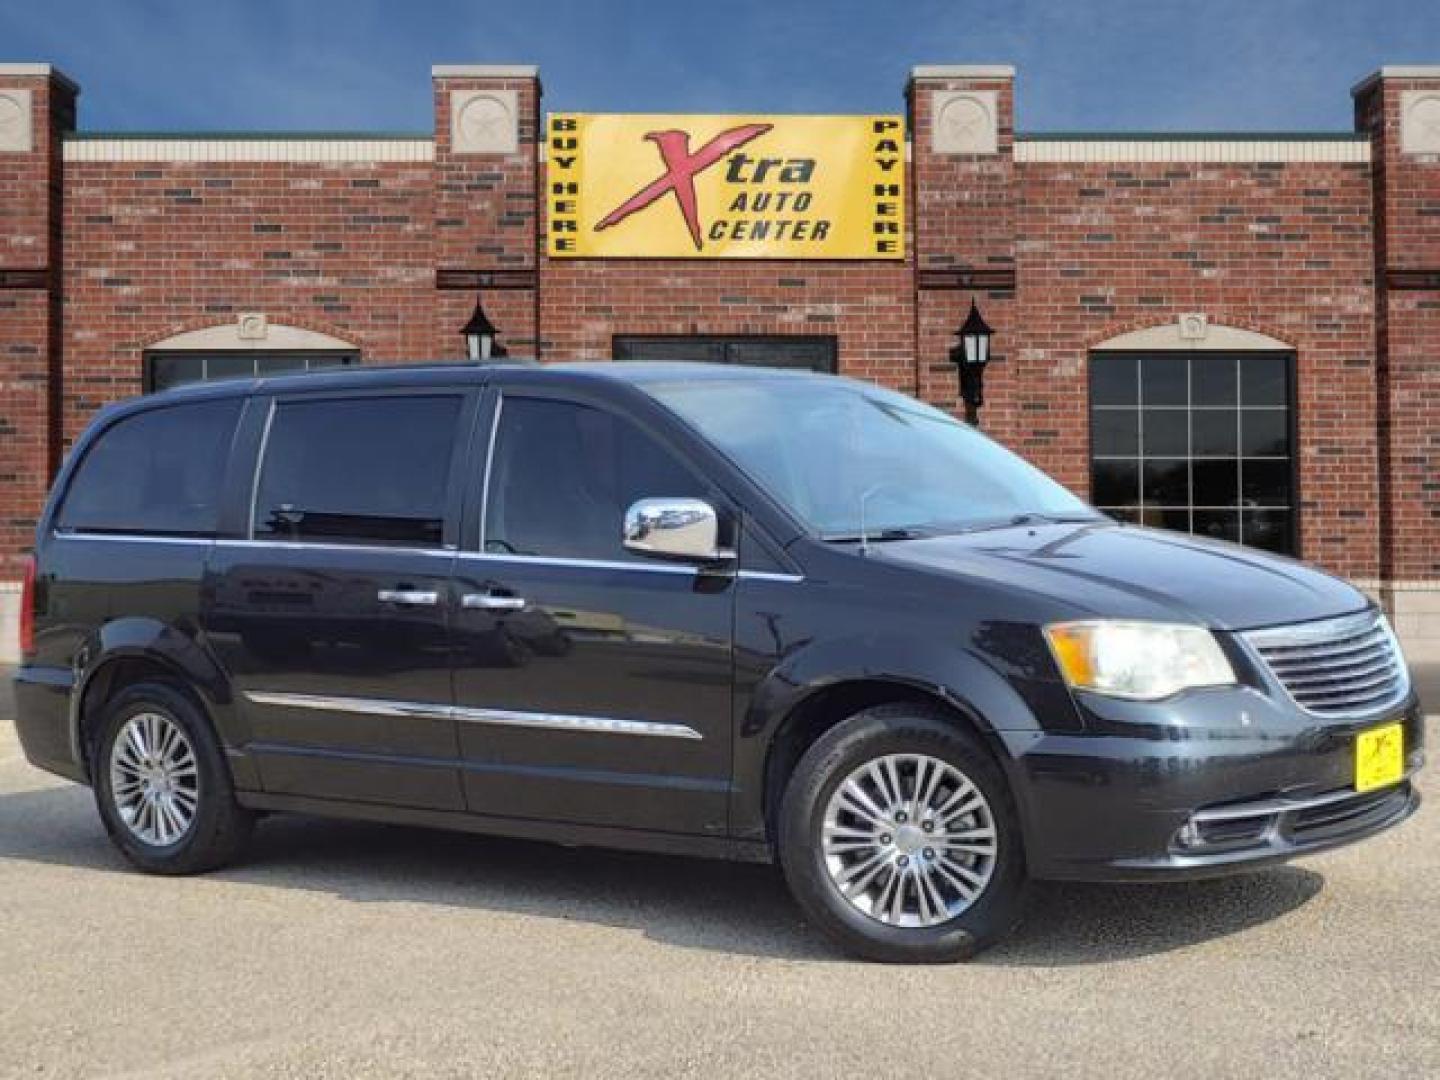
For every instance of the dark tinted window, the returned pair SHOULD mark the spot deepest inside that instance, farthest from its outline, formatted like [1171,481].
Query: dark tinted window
[155,472]
[358,471]
[1198,442]
[790,351]
[164,370]
[564,475]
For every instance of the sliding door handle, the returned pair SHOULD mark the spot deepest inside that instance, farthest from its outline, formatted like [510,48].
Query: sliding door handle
[409,597]
[491,602]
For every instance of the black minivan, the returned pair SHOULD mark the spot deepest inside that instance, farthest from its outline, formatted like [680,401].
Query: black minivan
[698,609]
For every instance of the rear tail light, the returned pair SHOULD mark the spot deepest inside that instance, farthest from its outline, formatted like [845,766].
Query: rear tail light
[27,610]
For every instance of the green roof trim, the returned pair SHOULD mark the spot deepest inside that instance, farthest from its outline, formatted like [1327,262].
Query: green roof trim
[1191,136]
[251,136]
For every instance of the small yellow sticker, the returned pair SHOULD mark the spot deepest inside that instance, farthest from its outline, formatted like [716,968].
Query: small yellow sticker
[1379,757]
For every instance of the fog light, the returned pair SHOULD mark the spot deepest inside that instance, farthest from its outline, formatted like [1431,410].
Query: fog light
[1189,834]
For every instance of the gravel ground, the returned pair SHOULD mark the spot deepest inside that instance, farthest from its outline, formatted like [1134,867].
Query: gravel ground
[351,950]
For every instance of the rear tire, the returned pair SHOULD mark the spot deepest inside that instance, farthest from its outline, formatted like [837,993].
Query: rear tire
[162,786]
[875,880]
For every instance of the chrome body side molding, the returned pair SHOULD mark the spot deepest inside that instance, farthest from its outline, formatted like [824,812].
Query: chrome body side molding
[604,725]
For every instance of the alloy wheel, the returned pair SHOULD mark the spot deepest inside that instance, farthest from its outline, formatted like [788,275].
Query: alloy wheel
[154,779]
[909,840]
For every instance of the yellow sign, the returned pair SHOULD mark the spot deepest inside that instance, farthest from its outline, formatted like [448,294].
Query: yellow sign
[726,187]
[1379,757]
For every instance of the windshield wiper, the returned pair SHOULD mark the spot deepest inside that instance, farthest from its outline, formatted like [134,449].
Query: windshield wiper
[878,536]
[1030,518]
[1053,519]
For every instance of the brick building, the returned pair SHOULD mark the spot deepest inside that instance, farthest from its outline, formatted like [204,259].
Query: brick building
[1232,334]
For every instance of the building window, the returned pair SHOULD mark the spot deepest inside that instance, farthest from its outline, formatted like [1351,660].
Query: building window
[811,353]
[166,369]
[1198,442]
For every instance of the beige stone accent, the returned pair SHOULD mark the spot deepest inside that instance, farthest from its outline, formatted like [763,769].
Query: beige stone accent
[17,130]
[1197,151]
[232,336]
[10,621]
[1215,337]
[1420,121]
[964,122]
[221,149]
[484,122]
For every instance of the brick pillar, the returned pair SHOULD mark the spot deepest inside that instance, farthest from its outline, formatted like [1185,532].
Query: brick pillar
[1400,108]
[37,105]
[486,205]
[963,209]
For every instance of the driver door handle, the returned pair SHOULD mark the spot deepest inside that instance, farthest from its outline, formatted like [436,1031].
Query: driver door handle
[410,597]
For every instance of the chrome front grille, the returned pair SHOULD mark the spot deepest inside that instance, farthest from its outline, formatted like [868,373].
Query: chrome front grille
[1336,667]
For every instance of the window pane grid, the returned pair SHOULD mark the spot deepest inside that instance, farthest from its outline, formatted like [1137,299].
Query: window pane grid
[165,370]
[1200,443]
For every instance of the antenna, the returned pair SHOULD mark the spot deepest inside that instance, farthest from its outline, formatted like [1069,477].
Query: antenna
[865,498]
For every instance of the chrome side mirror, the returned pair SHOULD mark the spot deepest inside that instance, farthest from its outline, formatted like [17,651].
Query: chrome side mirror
[675,529]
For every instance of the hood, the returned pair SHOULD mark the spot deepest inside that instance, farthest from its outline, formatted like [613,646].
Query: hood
[1121,571]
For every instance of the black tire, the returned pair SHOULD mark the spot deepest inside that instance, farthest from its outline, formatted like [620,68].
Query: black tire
[872,734]
[220,826]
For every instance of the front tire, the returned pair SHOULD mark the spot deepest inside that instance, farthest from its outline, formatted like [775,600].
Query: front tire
[899,838]
[162,786]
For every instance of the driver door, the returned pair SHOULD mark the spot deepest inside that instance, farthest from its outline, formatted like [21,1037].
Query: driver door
[592,684]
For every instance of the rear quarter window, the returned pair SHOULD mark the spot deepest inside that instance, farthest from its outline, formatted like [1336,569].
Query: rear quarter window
[155,472]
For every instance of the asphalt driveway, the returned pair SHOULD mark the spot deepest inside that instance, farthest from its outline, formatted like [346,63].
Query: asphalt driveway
[343,950]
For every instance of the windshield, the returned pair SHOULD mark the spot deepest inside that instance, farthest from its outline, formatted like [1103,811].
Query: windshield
[847,457]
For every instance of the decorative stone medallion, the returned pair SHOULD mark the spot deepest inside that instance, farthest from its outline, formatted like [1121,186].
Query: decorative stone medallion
[1194,326]
[16,135]
[965,122]
[252,326]
[1420,121]
[484,122]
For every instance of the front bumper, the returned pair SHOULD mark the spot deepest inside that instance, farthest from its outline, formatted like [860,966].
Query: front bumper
[1215,782]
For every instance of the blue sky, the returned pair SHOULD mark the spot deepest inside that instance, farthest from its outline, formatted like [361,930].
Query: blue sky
[364,64]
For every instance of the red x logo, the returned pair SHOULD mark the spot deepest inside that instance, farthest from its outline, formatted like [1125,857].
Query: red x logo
[681,168]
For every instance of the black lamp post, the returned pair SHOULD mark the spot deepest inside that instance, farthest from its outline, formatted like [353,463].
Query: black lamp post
[481,338]
[970,356]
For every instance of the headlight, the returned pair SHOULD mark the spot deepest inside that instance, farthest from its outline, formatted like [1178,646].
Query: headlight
[1142,660]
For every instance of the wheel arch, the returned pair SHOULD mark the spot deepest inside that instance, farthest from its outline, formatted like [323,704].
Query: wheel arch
[828,705]
[127,651]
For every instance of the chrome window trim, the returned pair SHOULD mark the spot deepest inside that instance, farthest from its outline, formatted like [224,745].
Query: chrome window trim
[443,553]
[604,725]
[259,465]
[489,466]
[129,538]
[580,564]
[771,575]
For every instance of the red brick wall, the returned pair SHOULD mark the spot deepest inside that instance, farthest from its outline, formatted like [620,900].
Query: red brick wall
[866,306]
[1283,249]
[30,374]
[157,248]
[1101,249]
[1407,204]
[964,226]
[486,211]
[1061,257]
